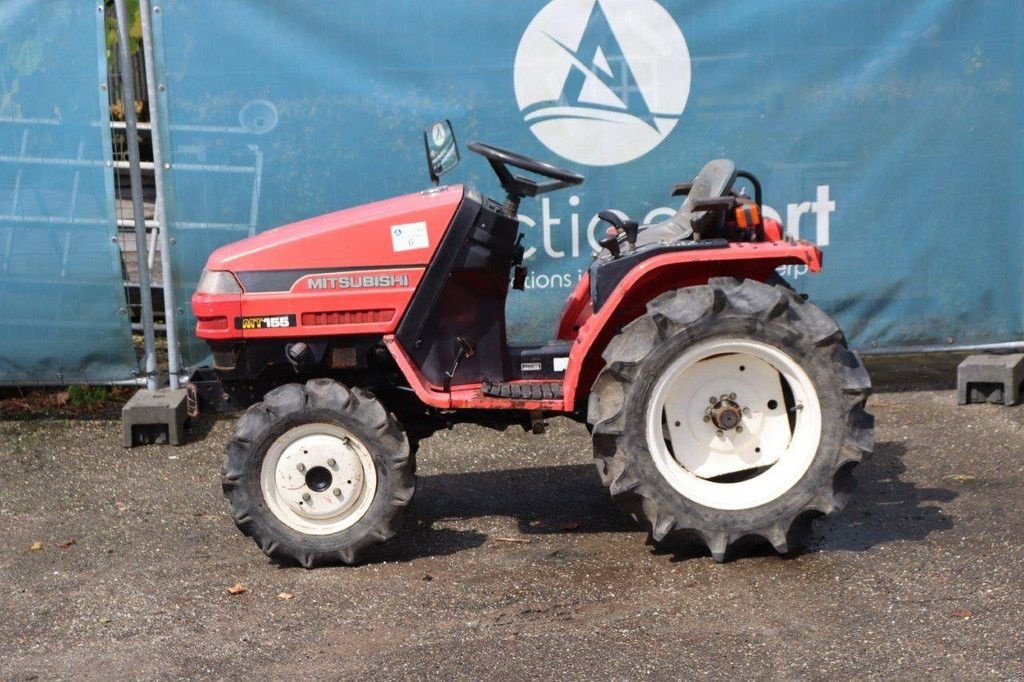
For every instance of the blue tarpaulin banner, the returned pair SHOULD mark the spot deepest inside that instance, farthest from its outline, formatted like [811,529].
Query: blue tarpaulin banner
[63,315]
[888,133]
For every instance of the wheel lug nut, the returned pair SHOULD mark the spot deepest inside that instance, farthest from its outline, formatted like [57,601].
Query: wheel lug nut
[746,411]
[331,463]
[719,433]
[739,429]
[301,467]
[306,497]
[337,492]
[732,396]
[707,418]
[713,400]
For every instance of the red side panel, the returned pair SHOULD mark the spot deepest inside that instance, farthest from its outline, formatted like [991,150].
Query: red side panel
[629,300]
[348,272]
[322,307]
[772,230]
[359,236]
[576,312]
[657,275]
[460,397]
[215,315]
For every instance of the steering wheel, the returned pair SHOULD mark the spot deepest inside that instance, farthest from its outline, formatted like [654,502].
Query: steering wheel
[516,185]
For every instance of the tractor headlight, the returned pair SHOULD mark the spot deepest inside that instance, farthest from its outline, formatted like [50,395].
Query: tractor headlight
[218,282]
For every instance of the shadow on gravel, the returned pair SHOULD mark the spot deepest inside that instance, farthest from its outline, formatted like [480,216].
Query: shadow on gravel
[551,499]
[569,499]
[418,540]
[884,508]
[198,428]
[542,500]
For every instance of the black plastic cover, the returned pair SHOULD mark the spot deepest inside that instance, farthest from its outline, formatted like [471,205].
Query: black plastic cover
[606,272]
[462,296]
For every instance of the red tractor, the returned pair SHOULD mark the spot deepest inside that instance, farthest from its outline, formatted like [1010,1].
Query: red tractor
[723,406]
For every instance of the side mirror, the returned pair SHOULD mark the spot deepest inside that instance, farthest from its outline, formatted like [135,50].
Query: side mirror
[442,150]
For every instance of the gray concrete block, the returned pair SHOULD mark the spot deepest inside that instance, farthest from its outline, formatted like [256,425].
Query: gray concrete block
[155,417]
[990,379]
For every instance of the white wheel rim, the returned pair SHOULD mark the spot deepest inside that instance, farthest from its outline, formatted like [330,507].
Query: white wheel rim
[318,479]
[689,449]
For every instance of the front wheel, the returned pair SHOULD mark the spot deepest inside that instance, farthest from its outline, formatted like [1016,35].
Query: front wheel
[317,473]
[730,411]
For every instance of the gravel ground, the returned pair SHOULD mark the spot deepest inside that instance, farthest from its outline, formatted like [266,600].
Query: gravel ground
[921,576]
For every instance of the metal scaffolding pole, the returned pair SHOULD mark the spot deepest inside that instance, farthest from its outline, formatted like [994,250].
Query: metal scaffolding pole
[170,314]
[135,174]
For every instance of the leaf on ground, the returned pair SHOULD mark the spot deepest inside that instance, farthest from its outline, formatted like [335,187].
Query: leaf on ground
[67,543]
[964,614]
[121,506]
[961,478]
[36,546]
[285,595]
[237,588]
[102,620]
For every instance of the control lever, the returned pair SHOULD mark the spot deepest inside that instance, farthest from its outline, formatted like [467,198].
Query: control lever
[627,227]
[611,242]
[519,273]
[462,349]
[519,270]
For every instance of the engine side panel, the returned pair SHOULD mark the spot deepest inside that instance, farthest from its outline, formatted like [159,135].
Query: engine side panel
[362,236]
[331,304]
[351,272]
[457,318]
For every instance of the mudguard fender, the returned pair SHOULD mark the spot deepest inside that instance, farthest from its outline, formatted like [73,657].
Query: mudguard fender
[592,330]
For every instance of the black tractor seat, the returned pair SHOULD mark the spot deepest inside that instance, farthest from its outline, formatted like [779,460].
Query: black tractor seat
[714,179]
[677,233]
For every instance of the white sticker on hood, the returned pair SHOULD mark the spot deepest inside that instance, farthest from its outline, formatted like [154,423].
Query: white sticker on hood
[409,237]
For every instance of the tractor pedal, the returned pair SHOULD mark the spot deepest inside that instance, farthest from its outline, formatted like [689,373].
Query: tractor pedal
[523,390]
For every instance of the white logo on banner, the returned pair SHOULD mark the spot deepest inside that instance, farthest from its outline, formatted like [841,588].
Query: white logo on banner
[602,82]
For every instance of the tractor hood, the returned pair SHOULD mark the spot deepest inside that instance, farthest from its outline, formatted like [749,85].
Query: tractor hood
[396,232]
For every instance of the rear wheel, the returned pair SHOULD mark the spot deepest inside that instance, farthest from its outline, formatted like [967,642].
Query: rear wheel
[317,473]
[730,411]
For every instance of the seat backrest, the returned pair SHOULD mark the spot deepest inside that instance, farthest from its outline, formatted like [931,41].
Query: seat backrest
[714,179]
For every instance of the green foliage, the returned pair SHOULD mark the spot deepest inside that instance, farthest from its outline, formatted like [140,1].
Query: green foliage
[134,27]
[86,396]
